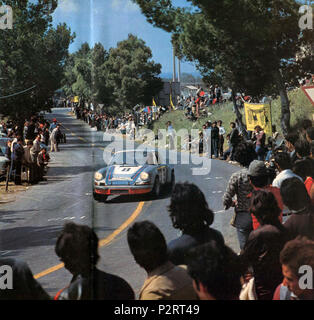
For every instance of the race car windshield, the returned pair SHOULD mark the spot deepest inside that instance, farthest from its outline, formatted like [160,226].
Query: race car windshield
[132,158]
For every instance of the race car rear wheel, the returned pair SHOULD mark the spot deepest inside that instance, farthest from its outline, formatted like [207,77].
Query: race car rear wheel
[156,188]
[172,182]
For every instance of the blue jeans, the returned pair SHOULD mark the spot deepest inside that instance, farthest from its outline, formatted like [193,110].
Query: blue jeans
[243,235]
[243,224]
[260,151]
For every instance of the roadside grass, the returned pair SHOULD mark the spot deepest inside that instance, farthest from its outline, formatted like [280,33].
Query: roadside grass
[300,107]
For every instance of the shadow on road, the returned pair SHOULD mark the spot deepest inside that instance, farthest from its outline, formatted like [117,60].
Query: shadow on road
[21,238]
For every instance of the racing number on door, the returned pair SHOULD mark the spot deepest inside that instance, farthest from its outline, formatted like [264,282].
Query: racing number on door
[163,174]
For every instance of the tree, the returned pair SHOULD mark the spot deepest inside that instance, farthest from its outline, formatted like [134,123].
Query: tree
[252,46]
[131,74]
[32,55]
[85,74]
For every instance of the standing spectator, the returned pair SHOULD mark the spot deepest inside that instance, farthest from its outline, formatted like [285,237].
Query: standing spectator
[227,152]
[302,149]
[218,93]
[17,156]
[305,169]
[54,138]
[260,180]
[260,138]
[290,140]
[310,134]
[283,164]
[42,161]
[263,247]
[53,125]
[221,141]
[28,161]
[296,198]
[296,253]
[190,214]
[36,147]
[46,135]
[239,185]
[216,272]
[215,139]
[207,138]
[234,140]
[77,247]
[29,131]
[165,281]
[170,133]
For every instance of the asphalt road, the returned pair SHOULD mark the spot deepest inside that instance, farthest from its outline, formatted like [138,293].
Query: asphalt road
[30,225]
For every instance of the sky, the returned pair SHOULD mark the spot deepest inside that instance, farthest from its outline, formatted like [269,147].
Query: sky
[110,21]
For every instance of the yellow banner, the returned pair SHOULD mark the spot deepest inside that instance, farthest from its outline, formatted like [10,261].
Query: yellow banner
[154,103]
[171,103]
[258,115]
[76,99]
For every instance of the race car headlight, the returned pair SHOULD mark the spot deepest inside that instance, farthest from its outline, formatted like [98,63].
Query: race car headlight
[144,176]
[98,176]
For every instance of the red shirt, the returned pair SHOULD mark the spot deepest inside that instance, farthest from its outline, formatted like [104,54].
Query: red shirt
[276,192]
[308,185]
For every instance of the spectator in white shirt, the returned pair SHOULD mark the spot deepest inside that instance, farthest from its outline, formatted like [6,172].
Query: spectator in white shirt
[284,166]
[221,141]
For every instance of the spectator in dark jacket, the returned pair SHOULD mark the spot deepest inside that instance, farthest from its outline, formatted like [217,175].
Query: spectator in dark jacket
[24,286]
[297,199]
[190,214]
[262,250]
[234,139]
[77,247]
[17,156]
[215,139]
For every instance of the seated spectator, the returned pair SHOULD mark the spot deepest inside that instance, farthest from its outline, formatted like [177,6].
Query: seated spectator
[283,164]
[296,198]
[262,249]
[24,286]
[216,272]
[165,281]
[295,254]
[190,214]
[77,247]
[260,180]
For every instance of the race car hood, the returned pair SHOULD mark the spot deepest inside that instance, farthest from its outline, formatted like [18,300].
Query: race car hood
[123,174]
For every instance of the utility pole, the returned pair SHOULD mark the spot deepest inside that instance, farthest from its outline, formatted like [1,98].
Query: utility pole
[174,78]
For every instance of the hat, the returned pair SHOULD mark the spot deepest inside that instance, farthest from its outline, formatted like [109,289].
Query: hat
[257,168]
[54,120]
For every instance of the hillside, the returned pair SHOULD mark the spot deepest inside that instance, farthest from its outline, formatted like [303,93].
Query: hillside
[301,108]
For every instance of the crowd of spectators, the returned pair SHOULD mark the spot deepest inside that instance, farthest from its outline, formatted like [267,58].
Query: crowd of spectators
[26,147]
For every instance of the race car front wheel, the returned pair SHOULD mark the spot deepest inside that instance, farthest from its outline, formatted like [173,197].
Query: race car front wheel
[99,197]
[156,188]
